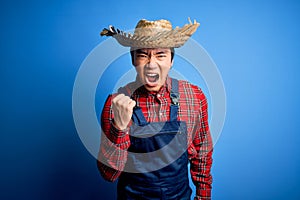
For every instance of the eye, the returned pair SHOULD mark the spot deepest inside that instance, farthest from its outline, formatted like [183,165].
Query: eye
[161,56]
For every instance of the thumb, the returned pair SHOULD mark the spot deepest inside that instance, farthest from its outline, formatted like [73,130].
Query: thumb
[132,104]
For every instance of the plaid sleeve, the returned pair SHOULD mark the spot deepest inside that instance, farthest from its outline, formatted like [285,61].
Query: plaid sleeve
[112,156]
[201,163]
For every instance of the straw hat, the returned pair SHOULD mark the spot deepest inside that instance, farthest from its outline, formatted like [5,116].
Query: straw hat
[153,34]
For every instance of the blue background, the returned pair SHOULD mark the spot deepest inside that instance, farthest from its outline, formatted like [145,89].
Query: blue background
[255,45]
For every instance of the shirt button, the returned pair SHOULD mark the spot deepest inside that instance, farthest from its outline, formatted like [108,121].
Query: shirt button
[160,114]
[158,95]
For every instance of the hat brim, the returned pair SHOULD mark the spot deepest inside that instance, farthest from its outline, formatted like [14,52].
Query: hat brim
[162,39]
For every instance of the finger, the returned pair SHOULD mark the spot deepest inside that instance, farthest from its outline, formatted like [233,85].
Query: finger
[123,101]
[127,103]
[130,106]
[132,103]
[117,98]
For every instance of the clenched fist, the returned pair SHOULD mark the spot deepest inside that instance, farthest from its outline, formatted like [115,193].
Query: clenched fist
[122,107]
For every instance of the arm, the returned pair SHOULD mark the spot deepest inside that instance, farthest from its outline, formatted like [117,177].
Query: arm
[115,141]
[201,163]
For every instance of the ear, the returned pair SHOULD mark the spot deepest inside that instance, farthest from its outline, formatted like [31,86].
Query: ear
[132,54]
[172,62]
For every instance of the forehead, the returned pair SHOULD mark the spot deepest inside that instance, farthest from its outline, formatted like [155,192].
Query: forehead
[154,50]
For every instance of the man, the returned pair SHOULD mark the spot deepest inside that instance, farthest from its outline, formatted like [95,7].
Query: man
[153,126]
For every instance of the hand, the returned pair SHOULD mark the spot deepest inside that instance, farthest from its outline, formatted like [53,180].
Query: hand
[122,107]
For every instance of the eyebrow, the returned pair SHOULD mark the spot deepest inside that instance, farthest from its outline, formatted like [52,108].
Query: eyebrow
[161,52]
[143,52]
[140,51]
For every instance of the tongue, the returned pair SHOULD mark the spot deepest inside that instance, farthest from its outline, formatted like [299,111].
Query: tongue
[152,78]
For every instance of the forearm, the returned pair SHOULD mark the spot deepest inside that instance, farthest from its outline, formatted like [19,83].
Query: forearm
[113,154]
[201,164]
[201,176]
[112,159]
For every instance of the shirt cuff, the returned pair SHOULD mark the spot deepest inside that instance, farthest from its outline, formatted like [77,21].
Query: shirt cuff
[203,194]
[119,136]
[202,198]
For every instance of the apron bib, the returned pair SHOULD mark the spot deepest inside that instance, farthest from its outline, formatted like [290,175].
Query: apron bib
[161,146]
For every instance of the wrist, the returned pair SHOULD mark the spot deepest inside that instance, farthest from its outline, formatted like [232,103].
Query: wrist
[117,136]
[117,131]
[118,127]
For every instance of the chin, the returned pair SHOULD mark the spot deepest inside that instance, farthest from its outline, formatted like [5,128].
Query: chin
[152,88]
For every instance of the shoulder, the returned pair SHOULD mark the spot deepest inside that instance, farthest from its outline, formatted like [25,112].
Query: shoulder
[192,92]
[128,89]
[185,86]
[125,90]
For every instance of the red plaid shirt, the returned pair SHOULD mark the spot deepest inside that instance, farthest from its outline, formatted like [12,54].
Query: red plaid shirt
[156,107]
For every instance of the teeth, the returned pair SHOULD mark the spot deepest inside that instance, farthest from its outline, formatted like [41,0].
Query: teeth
[151,74]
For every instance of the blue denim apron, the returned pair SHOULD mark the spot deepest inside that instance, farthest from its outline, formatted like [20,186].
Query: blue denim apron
[161,145]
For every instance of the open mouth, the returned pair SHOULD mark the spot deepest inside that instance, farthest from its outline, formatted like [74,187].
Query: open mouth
[152,78]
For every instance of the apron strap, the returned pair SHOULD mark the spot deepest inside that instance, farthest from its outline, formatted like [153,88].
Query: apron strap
[175,100]
[138,116]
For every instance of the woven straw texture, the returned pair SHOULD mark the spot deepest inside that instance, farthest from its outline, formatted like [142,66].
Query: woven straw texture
[153,34]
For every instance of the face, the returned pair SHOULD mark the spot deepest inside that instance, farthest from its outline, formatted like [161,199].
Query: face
[152,66]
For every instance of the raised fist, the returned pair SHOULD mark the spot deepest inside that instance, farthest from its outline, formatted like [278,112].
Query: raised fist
[122,107]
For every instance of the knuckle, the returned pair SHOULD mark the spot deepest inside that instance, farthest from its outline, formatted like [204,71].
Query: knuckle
[125,98]
[116,102]
[123,107]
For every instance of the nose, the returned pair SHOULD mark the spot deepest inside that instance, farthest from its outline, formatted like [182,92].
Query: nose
[151,62]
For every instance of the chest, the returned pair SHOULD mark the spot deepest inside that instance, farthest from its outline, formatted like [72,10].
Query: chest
[156,108]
